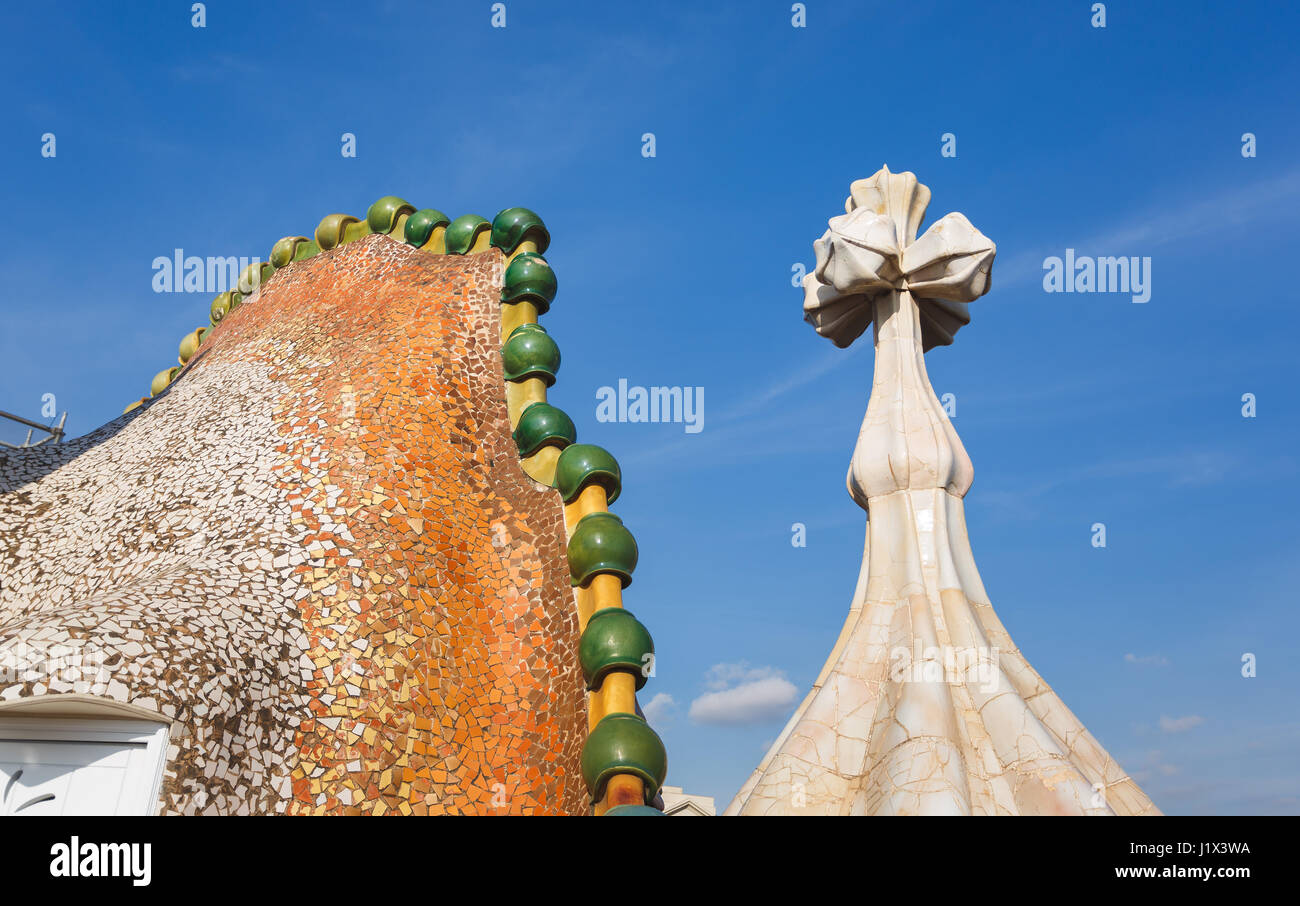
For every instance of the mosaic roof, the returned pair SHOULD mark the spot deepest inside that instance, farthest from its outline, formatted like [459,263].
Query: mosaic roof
[346,547]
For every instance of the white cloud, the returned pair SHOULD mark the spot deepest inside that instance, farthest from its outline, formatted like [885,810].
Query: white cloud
[793,380]
[1154,764]
[740,694]
[659,709]
[1199,214]
[1180,724]
[725,676]
[1158,660]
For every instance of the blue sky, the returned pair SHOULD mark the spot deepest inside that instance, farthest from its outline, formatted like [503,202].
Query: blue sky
[676,271]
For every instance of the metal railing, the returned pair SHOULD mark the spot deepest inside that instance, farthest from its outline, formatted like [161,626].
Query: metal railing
[55,432]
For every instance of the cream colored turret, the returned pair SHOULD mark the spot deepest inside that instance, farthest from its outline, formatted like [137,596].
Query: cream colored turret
[925,706]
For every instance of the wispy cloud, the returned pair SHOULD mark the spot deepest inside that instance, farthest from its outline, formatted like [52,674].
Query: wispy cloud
[799,377]
[743,695]
[1180,724]
[1190,467]
[1199,215]
[1241,768]
[1155,765]
[217,68]
[1158,660]
[749,438]
[478,152]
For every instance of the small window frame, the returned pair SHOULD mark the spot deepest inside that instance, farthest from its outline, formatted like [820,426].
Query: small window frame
[152,734]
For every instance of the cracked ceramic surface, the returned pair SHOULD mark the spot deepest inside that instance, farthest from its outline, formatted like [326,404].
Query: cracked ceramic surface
[925,705]
[316,556]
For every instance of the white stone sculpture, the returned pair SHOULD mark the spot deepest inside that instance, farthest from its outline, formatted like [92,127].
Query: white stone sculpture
[925,706]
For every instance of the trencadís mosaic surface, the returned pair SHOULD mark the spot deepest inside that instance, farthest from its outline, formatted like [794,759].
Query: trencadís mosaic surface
[347,549]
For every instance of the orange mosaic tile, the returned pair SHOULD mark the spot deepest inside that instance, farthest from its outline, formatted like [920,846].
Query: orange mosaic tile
[359,603]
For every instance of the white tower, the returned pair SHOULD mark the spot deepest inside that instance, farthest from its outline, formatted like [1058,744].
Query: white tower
[925,706]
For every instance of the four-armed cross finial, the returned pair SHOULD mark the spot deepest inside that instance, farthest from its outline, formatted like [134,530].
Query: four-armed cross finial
[872,269]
